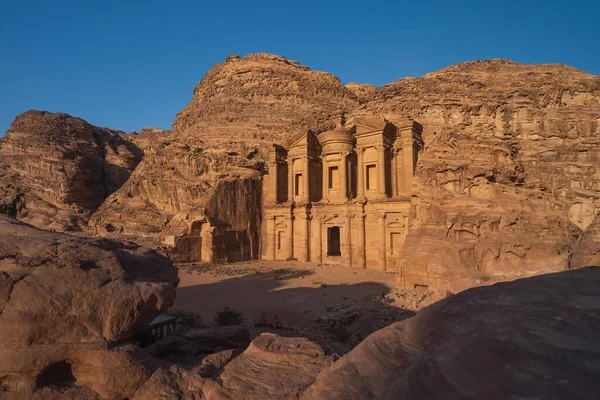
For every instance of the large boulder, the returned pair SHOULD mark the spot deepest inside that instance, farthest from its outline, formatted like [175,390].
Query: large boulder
[530,338]
[56,170]
[67,306]
[272,367]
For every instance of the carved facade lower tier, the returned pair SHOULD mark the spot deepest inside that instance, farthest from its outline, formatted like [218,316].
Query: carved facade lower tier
[364,235]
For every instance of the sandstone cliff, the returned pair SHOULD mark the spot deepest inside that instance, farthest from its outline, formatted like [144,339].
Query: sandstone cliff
[56,170]
[510,174]
[506,184]
[238,110]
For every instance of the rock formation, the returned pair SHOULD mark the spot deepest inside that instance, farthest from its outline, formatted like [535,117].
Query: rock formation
[586,251]
[510,172]
[208,168]
[507,181]
[66,306]
[56,170]
[531,338]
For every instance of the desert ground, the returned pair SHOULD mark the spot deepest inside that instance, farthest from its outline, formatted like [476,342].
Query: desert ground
[334,305]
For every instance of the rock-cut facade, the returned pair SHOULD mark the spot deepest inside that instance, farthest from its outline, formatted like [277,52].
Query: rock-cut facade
[342,196]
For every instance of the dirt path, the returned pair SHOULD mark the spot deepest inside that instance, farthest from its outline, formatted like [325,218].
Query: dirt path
[336,306]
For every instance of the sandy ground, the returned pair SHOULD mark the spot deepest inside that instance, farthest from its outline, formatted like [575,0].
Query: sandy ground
[334,305]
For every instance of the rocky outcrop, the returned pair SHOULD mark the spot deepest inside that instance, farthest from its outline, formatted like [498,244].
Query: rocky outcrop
[510,171]
[531,338]
[586,251]
[507,181]
[259,99]
[66,306]
[210,165]
[56,170]
[272,367]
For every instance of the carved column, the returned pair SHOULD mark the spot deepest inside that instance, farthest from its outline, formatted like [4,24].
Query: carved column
[325,181]
[207,252]
[381,171]
[382,250]
[318,234]
[344,177]
[302,253]
[290,228]
[394,174]
[290,163]
[275,183]
[306,179]
[362,263]
[273,231]
[347,242]
[399,177]
[407,164]
[360,179]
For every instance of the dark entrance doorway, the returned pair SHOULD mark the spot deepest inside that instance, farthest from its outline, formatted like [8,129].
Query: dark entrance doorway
[333,241]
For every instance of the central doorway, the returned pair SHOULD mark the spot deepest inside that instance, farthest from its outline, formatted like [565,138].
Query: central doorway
[333,241]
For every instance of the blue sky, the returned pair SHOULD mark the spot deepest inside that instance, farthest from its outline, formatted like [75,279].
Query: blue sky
[131,64]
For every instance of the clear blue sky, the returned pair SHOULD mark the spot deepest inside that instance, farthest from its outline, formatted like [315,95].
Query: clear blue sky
[130,64]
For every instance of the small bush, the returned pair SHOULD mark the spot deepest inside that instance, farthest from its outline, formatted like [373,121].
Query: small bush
[14,207]
[187,319]
[485,278]
[264,322]
[229,316]
[291,259]
[200,269]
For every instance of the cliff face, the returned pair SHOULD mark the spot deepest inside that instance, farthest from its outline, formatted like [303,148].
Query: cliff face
[508,180]
[238,110]
[56,170]
[510,172]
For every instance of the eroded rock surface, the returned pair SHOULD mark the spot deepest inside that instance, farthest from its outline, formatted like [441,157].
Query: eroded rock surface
[67,303]
[56,170]
[209,166]
[530,338]
[586,252]
[509,176]
[272,367]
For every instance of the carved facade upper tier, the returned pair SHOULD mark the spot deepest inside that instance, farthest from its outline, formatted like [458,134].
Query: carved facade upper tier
[374,160]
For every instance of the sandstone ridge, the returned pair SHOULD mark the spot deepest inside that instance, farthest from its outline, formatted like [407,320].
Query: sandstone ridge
[56,170]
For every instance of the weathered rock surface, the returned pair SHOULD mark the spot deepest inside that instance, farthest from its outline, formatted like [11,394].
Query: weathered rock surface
[65,305]
[272,367]
[586,252]
[510,174]
[209,166]
[530,338]
[56,170]
[507,182]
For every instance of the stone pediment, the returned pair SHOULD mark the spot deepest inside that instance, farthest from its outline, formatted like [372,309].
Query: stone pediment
[305,139]
[373,124]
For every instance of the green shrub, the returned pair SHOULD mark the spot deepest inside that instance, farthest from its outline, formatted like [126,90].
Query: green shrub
[229,316]
[12,208]
[186,319]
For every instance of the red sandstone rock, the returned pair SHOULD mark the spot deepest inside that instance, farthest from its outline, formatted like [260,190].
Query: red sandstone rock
[67,302]
[58,169]
[531,338]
